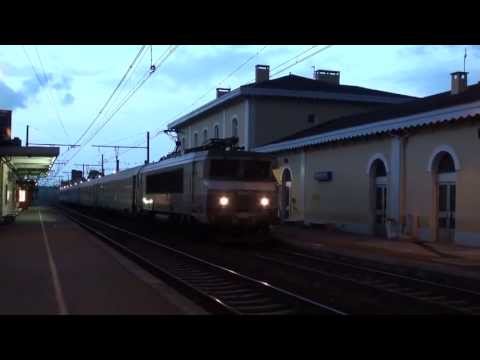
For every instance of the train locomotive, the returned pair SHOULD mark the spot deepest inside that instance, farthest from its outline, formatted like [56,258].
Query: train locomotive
[216,184]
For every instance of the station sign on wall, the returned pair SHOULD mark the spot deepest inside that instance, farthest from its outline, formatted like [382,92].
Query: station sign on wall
[323,176]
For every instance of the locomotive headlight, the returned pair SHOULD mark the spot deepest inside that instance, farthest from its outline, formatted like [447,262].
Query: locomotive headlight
[147,201]
[223,201]
[264,201]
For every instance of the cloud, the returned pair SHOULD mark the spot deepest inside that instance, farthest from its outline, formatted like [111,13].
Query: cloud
[10,99]
[68,99]
[12,70]
[33,85]
[65,83]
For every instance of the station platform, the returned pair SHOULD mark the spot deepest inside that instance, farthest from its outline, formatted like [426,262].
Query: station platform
[460,261]
[50,265]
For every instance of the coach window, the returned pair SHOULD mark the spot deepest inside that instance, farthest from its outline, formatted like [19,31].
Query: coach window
[195,139]
[169,182]
[205,135]
[235,127]
[216,131]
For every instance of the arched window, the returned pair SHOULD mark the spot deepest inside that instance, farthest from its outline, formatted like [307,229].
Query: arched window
[195,139]
[378,172]
[205,135]
[216,131]
[379,168]
[235,127]
[446,188]
[446,164]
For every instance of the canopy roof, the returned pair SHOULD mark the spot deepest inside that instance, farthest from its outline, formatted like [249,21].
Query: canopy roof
[30,161]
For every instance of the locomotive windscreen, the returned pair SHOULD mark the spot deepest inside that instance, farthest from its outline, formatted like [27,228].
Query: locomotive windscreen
[246,170]
[165,182]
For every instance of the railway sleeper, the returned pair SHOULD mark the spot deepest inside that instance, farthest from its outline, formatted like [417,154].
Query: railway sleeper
[240,296]
[230,288]
[419,294]
[200,278]
[262,308]
[253,301]
[237,292]
[470,309]
[208,282]
[455,303]
[279,312]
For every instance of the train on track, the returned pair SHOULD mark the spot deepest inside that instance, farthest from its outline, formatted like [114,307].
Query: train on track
[215,184]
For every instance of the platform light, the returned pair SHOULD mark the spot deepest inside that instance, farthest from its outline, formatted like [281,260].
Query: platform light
[264,201]
[22,196]
[223,201]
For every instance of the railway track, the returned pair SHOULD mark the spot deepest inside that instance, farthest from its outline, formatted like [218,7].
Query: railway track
[217,288]
[451,298]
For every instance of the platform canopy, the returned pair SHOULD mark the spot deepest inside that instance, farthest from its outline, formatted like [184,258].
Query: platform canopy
[32,161]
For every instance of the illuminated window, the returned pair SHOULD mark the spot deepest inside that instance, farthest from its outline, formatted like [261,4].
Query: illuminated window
[21,196]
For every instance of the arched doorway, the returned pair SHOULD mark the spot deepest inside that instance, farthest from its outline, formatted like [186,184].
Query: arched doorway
[446,188]
[285,194]
[379,177]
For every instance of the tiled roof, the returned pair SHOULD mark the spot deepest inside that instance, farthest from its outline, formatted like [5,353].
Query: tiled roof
[429,103]
[294,86]
[300,83]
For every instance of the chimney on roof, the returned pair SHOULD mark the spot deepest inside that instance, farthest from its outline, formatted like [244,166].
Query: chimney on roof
[328,76]
[262,73]
[459,82]
[222,91]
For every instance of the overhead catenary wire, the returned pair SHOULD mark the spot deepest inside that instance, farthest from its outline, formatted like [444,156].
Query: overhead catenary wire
[160,131]
[296,56]
[112,94]
[127,80]
[158,62]
[40,82]
[238,68]
[302,60]
[49,93]
[132,92]
[107,102]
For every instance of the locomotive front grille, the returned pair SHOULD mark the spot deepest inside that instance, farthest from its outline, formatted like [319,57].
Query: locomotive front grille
[244,202]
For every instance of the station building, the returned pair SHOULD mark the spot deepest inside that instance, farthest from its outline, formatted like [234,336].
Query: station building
[407,170]
[271,109]
[20,168]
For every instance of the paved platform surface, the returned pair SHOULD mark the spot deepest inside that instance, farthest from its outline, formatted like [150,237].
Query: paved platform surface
[50,265]
[449,259]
